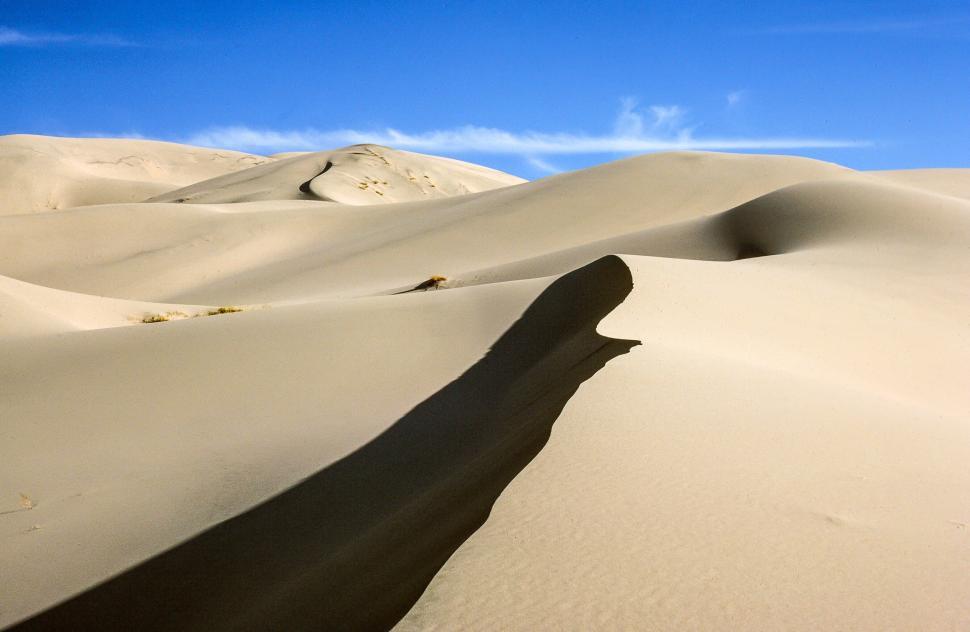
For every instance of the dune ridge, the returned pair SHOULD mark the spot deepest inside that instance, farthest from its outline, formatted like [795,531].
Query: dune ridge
[366,534]
[359,174]
[43,173]
[318,250]
[685,390]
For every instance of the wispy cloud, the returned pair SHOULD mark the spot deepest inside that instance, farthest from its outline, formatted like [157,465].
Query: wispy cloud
[630,121]
[735,98]
[542,166]
[493,141]
[635,130]
[488,140]
[15,37]
[868,26]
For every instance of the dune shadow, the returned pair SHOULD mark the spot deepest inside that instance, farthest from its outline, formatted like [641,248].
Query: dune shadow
[354,546]
[305,187]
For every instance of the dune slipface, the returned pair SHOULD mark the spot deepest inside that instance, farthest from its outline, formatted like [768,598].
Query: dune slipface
[354,545]
[678,391]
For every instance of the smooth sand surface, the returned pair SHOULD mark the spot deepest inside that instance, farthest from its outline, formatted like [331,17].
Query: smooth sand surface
[41,173]
[678,391]
[359,175]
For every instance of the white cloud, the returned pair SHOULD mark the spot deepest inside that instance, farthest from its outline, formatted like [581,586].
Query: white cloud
[10,37]
[543,166]
[868,26]
[667,117]
[658,128]
[735,98]
[630,124]
[14,37]
[486,140]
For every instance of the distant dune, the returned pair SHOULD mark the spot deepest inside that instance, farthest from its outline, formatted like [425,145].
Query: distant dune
[359,175]
[367,388]
[40,173]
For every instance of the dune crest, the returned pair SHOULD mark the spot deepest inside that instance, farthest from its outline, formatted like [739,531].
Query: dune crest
[367,533]
[358,175]
[40,173]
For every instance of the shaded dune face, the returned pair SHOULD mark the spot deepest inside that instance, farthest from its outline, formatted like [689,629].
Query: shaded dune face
[854,215]
[353,546]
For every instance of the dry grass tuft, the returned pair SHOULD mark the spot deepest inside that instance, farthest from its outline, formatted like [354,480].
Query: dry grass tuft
[377,155]
[163,318]
[167,316]
[228,309]
[25,502]
[433,283]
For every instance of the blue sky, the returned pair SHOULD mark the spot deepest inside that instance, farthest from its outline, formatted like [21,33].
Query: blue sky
[528,88]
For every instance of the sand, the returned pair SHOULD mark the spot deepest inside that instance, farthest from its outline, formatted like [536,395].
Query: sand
[677,391]
[41,173]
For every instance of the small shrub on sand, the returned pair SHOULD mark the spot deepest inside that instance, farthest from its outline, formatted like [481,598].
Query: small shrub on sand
[163,318]
[167,316]
[434,283]
[377,155]
[25,502]
[228,309]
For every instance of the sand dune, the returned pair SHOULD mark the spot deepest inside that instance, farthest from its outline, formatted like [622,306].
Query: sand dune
[360,174]
[41,173]
[27,310]
[955,182]
[678,391]
[201,253]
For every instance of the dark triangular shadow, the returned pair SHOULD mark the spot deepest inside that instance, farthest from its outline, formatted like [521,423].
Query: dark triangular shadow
[355,545]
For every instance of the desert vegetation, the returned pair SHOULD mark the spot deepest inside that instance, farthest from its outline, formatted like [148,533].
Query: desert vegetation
[178,315]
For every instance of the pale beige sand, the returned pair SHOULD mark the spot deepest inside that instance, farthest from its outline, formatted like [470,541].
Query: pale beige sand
[28,310]
[756,417]
[955,182]
[41,173]
[295,250]
[360,174]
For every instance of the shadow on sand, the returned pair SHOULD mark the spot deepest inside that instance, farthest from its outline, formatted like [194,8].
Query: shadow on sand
[355,545]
